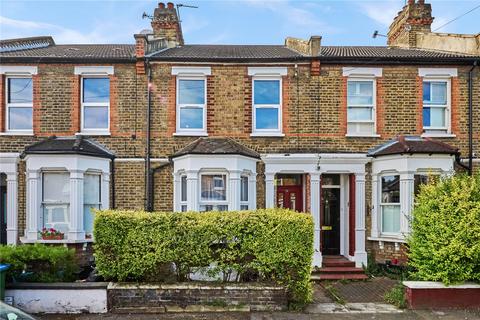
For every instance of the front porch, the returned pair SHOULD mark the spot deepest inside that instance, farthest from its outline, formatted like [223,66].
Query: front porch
[329,186]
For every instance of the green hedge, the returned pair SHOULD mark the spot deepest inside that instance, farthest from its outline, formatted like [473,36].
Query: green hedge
[272,244]
[445,240]
[39,263]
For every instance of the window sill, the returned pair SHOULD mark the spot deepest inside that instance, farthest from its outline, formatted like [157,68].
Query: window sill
[93,133]
[17,133]
[64,241]
[267,134]
[362,135]
[191,134]
[438,135]
[399,239]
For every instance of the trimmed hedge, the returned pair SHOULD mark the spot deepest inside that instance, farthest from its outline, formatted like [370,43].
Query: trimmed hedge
[445,239]
[39,263]
[272,244]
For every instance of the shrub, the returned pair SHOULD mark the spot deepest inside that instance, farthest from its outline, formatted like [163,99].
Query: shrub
[39,263]
[273,244]
[445,239]
[396,296]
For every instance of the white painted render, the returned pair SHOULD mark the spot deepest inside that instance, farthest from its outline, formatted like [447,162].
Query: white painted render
[8,166]
[19,70]
[437,72]
[189,71]
[362,72]
[93,70]
[267,71]
[59,300]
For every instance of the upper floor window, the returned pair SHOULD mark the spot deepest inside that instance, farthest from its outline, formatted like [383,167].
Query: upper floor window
[95,104]
[436,105]
[191,105]
[390,204]
[19,106]
[361,107]
[267,106]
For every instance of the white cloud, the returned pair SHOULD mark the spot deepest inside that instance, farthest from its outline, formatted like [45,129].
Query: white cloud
[101,32]
[380,12]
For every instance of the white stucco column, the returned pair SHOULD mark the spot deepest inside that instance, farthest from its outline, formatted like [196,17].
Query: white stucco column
[75,229]
[177,191]
[406,201]
[234,193]
[360,253]
[192,190]
[315,211]
[375,207]
[252,191]
[269,190]
[33,204]
[12,208]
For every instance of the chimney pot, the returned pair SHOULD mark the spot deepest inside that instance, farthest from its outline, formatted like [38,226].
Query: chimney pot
[170,5]
[421,1]
[161,5]
[411,2]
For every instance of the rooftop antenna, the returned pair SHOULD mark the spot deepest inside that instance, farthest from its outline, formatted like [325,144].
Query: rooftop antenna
[147,16]
[378,34]
[180,5]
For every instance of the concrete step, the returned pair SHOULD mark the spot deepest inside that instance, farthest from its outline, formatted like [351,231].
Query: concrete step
[338,276]
[340,270]
[337,263]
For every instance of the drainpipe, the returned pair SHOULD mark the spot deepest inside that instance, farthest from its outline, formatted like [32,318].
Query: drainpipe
[112,180]
[470,119]
[148,184]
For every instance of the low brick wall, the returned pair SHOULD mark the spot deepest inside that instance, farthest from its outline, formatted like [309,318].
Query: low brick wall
[194,297]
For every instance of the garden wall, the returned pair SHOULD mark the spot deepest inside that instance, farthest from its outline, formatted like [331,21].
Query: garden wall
[195,297]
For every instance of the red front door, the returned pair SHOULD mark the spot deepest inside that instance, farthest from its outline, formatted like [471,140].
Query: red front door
[290,197]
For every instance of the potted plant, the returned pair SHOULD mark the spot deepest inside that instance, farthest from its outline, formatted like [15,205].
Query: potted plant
[51,234]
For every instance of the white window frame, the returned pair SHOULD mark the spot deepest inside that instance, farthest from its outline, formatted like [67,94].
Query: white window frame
[267,132]
[16,105]
[195,131]
[214,202]
[245,202]
[382,204]
[183,203]
[98,205]
[373,106]
[94,131]
[448,107]
[53,203]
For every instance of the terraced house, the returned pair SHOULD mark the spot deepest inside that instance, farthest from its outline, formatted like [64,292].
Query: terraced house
[346,134]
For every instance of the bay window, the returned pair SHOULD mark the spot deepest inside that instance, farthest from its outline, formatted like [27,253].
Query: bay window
[390,204]
[191,105]
[267,102]
[436,105]
[183,193]
[361,107]
[19,106]
[213,192]
[56,201]
[95,100]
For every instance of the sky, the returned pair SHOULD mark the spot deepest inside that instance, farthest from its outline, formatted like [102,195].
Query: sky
[224,22]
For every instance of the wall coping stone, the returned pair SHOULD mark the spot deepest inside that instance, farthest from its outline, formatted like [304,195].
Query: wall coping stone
[195,285]
[57,285]
[439,285]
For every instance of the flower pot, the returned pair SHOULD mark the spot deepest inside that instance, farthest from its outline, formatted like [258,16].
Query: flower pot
[53,237]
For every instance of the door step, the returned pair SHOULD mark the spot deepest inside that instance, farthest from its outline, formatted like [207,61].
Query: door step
[338,268]
[338,276]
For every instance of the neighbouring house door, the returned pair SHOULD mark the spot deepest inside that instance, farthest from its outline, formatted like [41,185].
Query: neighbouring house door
[290,197]
[330,221]
[3,215]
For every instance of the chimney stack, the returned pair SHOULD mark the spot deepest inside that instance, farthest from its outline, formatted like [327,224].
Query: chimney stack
[309,48]
[166,25]
[415,17]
